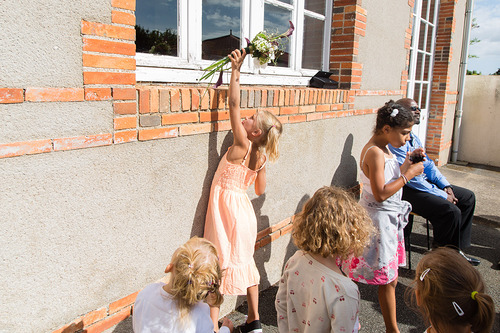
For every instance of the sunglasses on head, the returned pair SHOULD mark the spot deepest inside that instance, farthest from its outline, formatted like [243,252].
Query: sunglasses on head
[415,108]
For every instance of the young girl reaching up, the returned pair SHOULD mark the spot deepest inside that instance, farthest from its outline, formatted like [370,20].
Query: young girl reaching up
[382,180]
[450,294]
[313,294]
[230,222]
[182,305]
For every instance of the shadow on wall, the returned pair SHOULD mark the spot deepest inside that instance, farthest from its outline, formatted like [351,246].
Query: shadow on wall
[291,248]
[213,162]
[346,175]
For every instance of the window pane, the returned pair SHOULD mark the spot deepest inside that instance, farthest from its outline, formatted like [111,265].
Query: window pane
[220,28]
[425,4]
[430,29]
[317,6]
[416,94]
[276,21]
[156,27]
[422,103]
[427,67]
[421,37]
[431,11]
[418,72]
[312,50]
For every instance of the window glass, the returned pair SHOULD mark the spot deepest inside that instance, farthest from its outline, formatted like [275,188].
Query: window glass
[430,30]
[317,6]
[425,4]
[421,38]
[220,28]
[156,27]
[423,102]
[276,21]
[431,11]
[313,43]
[418,72]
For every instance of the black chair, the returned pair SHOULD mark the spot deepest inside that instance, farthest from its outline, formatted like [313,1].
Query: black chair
[407,235]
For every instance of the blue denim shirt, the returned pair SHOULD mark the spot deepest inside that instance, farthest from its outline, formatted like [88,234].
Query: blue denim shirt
[431,181]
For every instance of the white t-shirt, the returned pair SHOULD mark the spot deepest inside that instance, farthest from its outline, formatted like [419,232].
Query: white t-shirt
[313,298]
[155,311]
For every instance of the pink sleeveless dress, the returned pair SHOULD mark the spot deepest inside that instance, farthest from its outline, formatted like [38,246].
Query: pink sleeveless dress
[231,225]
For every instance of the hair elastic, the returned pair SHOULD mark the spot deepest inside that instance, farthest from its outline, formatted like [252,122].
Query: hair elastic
[190,266]
[424,273]
[473,295]
[459,310]
[394,113]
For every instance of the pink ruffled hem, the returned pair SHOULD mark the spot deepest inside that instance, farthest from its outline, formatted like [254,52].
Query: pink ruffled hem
[237,279]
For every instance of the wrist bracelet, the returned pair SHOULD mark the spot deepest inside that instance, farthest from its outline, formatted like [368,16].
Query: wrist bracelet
[405,180]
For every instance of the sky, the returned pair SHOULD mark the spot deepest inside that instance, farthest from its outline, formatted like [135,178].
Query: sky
[487,14]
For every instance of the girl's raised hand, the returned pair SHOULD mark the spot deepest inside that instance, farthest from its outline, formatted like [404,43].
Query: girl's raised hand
[237,58]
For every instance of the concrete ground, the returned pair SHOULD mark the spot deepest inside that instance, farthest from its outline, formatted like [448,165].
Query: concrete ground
[485,246]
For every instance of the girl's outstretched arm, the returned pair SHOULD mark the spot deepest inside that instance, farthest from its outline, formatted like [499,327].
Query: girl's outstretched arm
[239,132]
[260,181]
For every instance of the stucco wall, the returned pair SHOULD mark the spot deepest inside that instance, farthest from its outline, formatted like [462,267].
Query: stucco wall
[41,40]
[381,50]
[84,227]
[479,135]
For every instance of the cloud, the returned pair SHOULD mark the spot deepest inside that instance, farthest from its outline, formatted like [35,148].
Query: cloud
[487,14]
[225,3]
[220,20]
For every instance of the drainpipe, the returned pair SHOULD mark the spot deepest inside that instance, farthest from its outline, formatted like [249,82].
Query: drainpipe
[461,80]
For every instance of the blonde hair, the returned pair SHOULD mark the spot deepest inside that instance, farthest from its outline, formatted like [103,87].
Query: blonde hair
[332,222]
[271,131]
[450,278]
[196,274]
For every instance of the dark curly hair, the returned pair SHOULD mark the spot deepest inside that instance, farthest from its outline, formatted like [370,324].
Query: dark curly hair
[394,115]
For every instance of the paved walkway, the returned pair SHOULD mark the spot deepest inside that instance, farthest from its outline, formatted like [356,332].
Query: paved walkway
[486,247]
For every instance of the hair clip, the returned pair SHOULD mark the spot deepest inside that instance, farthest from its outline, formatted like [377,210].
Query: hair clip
[473,295]
[459,310]
[424,273]
[394,113]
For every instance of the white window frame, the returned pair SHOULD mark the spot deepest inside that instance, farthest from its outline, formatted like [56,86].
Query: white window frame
[421,129]
[188,66]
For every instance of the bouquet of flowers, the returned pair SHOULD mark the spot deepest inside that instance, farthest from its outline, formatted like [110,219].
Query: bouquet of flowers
[265,48]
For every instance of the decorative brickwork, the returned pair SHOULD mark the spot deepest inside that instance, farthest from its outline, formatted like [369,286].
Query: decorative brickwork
[348,25]
[436,142]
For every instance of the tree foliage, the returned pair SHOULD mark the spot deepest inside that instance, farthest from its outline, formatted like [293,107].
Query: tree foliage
[155,41]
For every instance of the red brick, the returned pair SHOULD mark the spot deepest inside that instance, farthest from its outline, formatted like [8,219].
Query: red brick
[313,116]
[107,30]
[121,303]
[125,107]
[122,17]
[109,322]
[98,94]
[105,46]
[25,148]
[195,99]
[185,99]
[179,118]
[306,108]
[124,93]
[221,126]
[195,129]
[297,119]
[154,101]
[264,241]
[11,95]
[222,98]
[124,4]
[286,229]
[289,110]
[86,141]
[175,100]
[214,116]
[94,316]
[125,136]
[125,123]
[322,107]
[144,101]
[100,61]
[108,78]
[54,94]
[264,232]
[279,225]
[158,133]
[263,101]
[204,100]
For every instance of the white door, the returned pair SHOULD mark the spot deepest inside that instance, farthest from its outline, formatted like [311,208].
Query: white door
[423,43]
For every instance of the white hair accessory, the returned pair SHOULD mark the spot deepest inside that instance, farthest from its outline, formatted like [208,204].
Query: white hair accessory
[458,309]
[394,113]
[424,273]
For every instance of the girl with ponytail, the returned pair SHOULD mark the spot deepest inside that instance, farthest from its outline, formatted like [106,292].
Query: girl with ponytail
[183,304]
[230,222]
[451,294]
